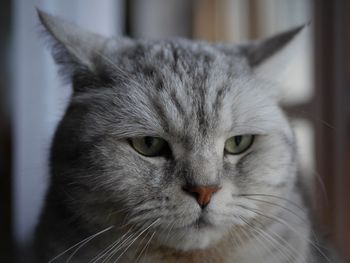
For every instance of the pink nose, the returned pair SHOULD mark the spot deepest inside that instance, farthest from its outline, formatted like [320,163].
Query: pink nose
[203,193]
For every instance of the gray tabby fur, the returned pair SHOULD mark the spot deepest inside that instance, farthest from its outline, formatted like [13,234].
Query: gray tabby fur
[195,95]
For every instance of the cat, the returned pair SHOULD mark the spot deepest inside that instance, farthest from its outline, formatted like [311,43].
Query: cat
[172,151]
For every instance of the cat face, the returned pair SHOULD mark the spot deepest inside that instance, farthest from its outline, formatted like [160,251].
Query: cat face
[174,136]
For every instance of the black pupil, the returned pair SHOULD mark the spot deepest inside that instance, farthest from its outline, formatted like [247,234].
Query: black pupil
[148,141]
[238,140]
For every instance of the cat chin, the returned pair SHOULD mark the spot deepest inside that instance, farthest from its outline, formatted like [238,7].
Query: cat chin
[192,238]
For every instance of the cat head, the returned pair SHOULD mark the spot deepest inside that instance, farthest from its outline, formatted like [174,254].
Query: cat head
[174,135]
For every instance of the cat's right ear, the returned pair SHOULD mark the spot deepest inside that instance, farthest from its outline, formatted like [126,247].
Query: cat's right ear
[76,50]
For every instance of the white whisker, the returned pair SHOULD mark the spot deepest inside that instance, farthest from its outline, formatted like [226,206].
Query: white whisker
[109,248]
[119,246]
[273,241]
[145,247]
[136,239]
[290,227]
[82,243]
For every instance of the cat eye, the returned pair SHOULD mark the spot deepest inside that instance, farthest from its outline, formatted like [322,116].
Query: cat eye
[238,144]
[149,146]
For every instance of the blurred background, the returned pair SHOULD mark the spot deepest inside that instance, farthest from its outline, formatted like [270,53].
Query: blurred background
[315,92]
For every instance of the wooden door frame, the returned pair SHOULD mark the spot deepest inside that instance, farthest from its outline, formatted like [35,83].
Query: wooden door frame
[332,107]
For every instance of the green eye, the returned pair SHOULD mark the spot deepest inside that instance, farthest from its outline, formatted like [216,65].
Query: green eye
[148,146]
[238,144]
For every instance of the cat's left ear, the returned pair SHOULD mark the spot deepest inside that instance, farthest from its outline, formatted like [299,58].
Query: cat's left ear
[260,52]
[274,59]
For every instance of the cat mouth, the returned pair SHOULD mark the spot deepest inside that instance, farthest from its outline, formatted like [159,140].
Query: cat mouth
[200,223]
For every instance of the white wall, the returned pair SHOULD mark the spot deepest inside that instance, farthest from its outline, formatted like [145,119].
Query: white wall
[39,98]
[157,19]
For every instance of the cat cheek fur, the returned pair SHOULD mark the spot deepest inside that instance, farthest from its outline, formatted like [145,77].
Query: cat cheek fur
[195,95]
